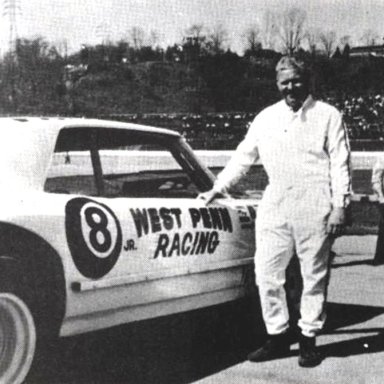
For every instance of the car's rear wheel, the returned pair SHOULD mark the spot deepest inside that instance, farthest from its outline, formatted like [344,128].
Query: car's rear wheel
[17,339]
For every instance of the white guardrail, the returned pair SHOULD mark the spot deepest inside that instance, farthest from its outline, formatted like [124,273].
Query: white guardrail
[133,161]
[359,160]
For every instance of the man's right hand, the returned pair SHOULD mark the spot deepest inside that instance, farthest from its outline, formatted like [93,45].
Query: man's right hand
[209,196]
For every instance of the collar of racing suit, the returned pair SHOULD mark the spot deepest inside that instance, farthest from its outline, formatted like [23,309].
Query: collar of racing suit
[301,111]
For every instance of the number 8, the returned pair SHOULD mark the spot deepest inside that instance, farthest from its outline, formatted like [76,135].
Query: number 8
[100,226]
[93,235]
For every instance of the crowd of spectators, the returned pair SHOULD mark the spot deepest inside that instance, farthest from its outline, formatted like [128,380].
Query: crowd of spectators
[364,117]
[202,131]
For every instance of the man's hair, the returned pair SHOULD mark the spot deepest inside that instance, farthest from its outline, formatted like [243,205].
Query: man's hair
[294,62]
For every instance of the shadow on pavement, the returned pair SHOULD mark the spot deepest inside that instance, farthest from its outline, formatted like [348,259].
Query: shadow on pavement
[346,315]
[353,263]
[174,349]
[358,346]
[189,346]
[343,315]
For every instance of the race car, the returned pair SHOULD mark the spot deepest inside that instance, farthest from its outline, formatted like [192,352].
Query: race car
[100,226]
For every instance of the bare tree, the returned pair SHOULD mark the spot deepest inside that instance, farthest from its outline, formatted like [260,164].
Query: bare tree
[311,36]
[195,30]
[62,48]
[328,41]
[291,29]
[344,40]
[268,30]
[252,38]
[217,39]
[103,33]
[369,37]
[195,36]
[153,38]
[137,36]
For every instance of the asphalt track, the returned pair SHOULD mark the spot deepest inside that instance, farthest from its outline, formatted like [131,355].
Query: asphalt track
[353,341]
[210,346]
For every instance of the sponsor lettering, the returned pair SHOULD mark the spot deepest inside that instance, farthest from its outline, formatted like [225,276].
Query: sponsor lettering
[155,220]
[247,216]
[130,245]
[189,243]
[212,218]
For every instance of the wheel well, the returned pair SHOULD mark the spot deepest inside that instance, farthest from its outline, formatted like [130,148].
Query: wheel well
[42,277]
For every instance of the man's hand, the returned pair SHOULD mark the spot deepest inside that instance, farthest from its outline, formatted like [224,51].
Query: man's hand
[336,221]
[209,196]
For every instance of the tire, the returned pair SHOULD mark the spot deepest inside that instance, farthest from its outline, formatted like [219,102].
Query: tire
[21,330]
[17,339]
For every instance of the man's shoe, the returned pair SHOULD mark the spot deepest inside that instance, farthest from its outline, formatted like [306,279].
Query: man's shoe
[309,356]
[275,347]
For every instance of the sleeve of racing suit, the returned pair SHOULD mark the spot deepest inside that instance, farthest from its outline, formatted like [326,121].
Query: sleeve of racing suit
[245,155]
[377,179]
[339,152]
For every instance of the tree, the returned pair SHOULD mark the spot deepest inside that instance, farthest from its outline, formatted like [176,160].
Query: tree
[369,37]
[217,39]
[291,29]
[30,82]
[346,51]
[121,51]
[137,36]
[268,30]
[196,31]
[194,41]
[344,40]
[328,41]
[153,38]
[223,74]
[311,36]
[62,48]
[252,39]
[337,54]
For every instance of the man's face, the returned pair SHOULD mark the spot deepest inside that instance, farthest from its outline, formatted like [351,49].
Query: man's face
[293,86]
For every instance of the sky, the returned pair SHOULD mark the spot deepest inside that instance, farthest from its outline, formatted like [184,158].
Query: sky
[90,21]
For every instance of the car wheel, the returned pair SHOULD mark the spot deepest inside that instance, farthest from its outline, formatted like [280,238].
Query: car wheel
[17,339]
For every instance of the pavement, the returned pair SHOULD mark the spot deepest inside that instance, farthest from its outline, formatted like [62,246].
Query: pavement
[353,341]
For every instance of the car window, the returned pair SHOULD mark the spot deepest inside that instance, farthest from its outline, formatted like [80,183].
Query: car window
[147,170]
[71,172]
[125,165]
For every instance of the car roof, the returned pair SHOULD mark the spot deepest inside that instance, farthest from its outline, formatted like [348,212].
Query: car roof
[57,123]
[27,145]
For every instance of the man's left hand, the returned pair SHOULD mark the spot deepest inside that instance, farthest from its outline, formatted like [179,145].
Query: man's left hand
[336,221]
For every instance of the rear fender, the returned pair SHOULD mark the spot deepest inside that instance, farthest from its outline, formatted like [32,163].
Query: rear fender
[43,273]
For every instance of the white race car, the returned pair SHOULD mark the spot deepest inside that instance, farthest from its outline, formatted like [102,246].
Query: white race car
[100,226]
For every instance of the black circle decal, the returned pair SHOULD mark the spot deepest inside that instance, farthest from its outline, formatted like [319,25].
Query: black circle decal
[93,235]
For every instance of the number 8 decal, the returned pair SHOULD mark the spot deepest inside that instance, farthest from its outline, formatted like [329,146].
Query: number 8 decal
[93,235]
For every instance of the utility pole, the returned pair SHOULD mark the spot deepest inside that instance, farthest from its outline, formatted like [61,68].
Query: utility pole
[11,10]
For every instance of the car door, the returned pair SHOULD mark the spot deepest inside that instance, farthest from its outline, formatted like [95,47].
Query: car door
[139,237]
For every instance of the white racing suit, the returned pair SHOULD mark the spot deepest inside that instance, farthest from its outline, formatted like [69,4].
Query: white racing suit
[377,179]
[306,157]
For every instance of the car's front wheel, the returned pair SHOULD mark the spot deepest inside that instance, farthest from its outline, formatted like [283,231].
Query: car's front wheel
[17,339]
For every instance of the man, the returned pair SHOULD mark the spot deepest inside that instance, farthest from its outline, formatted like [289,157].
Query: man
[303,146]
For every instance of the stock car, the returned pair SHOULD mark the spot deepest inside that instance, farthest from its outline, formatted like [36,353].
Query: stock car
[100,226]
